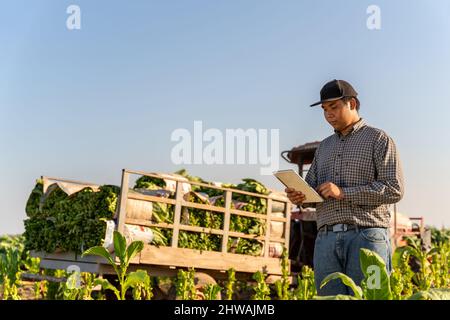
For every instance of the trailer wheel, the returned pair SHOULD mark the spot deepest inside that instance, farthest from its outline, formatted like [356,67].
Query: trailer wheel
[201,279]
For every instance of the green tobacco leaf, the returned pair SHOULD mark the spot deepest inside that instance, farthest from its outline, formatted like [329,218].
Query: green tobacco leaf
[413,243]
[211,291]
[414,252]
[338,297]
[120,246]
[376,277]
[397,257]
[345,280]
[135,278]
[432,294]
[434,251]
[133,249]
[100,252]
[106,285]
[32,207]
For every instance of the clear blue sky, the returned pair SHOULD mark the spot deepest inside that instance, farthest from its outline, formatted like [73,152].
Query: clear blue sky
[84,104]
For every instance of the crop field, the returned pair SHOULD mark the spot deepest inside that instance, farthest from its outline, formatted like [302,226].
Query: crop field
[61,222]
[427,279]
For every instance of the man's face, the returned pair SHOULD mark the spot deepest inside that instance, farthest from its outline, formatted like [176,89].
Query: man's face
[338,114]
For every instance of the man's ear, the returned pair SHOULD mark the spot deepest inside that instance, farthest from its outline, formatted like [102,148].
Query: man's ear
[352,104]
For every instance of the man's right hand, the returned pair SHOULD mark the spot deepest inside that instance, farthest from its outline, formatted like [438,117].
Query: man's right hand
[296,197]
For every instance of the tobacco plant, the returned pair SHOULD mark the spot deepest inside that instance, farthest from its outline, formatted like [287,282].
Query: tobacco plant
[125,254]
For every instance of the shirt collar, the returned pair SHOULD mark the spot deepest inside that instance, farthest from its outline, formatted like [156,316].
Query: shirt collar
[358,125]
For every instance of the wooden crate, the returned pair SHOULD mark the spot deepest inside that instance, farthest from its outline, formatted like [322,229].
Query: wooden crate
[173,256]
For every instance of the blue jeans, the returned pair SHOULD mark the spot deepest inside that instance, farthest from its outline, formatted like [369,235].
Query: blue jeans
[339,252]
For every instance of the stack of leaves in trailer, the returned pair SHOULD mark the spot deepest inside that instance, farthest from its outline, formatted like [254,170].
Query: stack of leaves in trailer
[58,221]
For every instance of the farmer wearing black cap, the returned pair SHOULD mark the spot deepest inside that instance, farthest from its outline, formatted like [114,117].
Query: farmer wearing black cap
[357,171]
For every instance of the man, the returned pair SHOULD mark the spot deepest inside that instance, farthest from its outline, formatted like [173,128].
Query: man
[358,173]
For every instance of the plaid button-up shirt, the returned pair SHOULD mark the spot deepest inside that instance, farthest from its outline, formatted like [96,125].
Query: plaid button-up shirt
[365,164]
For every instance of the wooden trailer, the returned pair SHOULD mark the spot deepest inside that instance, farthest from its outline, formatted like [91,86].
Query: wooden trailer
[165,260]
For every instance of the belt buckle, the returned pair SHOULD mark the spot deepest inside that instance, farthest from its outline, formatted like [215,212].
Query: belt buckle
[340,227]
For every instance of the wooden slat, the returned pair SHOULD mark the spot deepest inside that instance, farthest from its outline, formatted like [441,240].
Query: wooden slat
[267,236]
[243,213]
[200,229]
[146,223]
[280,219]
[202,184]
[177,215]
[287,230]
[70,256]
[280,240]
[64,264]
[248,214]
[123,202]
[256,215]
[208,260]
[138,196]
[41,277]
[255,237]
[201,206]
[226,223]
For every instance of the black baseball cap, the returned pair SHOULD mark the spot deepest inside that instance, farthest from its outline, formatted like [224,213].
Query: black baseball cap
[335,90]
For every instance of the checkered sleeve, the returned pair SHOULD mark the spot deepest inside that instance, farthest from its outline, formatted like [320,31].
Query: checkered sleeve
[388,186]
[311,179]
[311,176]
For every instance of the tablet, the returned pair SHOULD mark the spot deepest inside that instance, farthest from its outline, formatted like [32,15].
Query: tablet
[292,179]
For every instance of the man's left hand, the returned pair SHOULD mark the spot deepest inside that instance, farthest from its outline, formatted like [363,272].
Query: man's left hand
[330,190]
